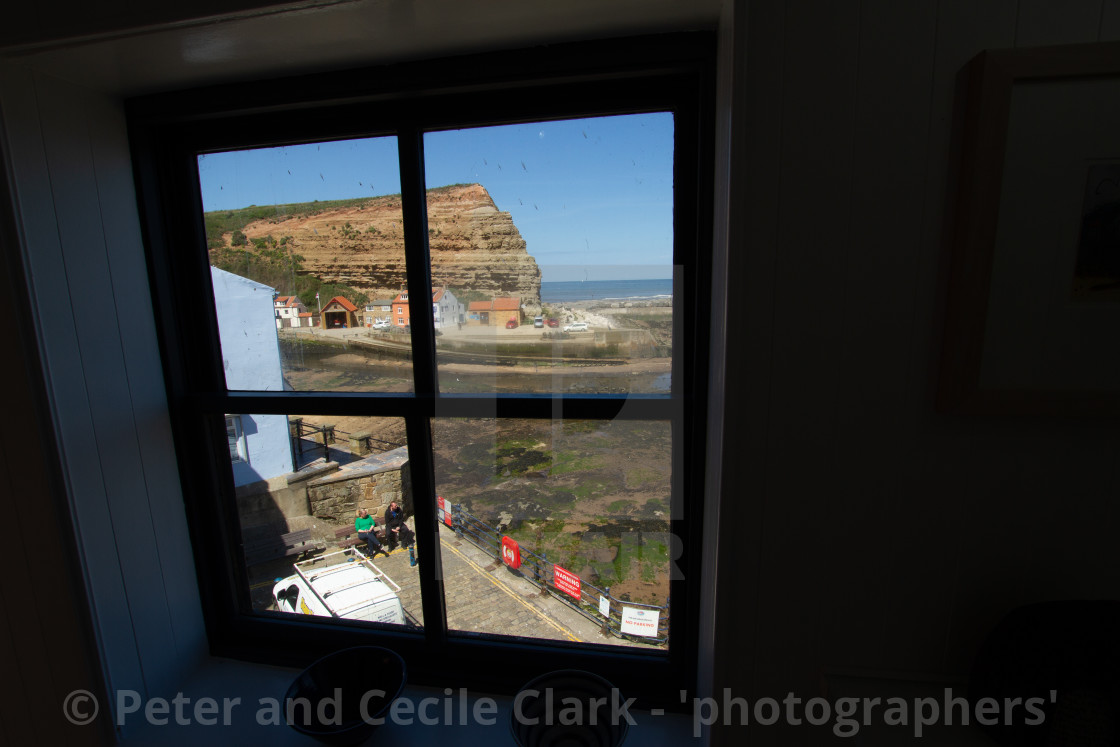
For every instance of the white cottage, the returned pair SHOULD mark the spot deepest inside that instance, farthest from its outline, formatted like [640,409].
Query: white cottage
[447,311]
[258,444]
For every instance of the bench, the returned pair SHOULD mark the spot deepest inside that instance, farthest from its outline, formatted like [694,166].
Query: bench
[347,536]
[267,543]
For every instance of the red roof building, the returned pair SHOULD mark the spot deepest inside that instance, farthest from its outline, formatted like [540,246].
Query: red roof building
[399,311]
[445,308]
[501,309]
[506,303]
[339,313]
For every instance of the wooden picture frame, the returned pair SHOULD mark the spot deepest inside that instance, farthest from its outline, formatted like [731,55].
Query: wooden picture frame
[1018,338]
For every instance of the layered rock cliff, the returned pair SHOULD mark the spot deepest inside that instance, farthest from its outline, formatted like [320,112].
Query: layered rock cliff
[474,246]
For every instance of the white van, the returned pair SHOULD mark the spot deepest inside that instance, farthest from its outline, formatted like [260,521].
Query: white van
[343,584]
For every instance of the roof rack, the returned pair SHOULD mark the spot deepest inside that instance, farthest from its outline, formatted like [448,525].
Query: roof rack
[308,578]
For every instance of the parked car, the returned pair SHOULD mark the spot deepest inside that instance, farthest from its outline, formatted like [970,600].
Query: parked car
[552,322]
[576,327]
[538,321]
[381,325]
[511,324]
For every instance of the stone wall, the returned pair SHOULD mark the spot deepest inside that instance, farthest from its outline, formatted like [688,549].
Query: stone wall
[369,483]
[278,500]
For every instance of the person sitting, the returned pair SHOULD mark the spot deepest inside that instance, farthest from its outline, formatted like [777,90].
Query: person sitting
[396,531]
[364,525]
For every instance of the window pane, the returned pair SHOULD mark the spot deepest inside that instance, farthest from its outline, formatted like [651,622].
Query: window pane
[300,497]
[552,529]
[307,254]
[551,251]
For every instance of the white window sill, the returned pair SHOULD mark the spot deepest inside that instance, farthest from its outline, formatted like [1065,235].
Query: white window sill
[223,678]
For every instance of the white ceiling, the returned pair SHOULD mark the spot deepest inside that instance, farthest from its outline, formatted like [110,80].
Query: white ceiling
[312,36]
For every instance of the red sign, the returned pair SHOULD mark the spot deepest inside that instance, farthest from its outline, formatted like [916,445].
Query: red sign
[511,552]
[444,510]
[566,581]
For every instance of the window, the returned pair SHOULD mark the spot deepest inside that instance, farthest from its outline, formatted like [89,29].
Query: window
[236,439]
[569,184]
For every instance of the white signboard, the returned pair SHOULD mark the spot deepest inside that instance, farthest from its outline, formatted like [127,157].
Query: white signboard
[640,621]
[604,607]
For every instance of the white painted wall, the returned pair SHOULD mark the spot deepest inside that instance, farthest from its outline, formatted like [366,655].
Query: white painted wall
[251,359]
[246,326]
[447,310]
[267,448]
[84,260]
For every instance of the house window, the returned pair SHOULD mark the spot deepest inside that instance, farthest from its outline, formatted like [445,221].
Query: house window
[577,196]
[236,439]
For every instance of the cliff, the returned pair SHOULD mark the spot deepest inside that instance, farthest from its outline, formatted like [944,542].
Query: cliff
[474,246]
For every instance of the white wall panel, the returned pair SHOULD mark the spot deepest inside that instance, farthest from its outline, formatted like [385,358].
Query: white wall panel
[1110,21]
[65,380]
[114,445]
[45,650]
[872,376]
[925,518]
[89,288]
[890,537]
[147,396]
[756,69]
[1046,22]
[818,78]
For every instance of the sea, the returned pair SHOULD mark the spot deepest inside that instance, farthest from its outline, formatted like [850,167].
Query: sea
[565,291]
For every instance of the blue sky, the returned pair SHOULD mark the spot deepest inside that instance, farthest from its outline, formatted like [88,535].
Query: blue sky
[591,197]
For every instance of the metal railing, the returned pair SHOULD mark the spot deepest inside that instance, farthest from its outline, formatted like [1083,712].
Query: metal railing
[310,442]
[297,430]
[540,571]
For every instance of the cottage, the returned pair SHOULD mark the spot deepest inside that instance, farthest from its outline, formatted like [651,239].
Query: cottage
[289,310]
[446,309]
[495,311]
[505,308]
[478,313]
[377,311]
[258,444]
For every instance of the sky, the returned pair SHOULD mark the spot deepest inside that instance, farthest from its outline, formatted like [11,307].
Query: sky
[593,198]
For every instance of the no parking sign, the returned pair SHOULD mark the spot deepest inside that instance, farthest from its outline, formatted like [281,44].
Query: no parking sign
[640,621]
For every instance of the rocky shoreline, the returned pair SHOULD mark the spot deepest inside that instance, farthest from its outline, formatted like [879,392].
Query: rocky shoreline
[602,313]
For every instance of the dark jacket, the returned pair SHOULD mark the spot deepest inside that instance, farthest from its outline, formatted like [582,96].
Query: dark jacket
[394,519]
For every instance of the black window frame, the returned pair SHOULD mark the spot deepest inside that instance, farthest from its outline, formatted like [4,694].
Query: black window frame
[671,72]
